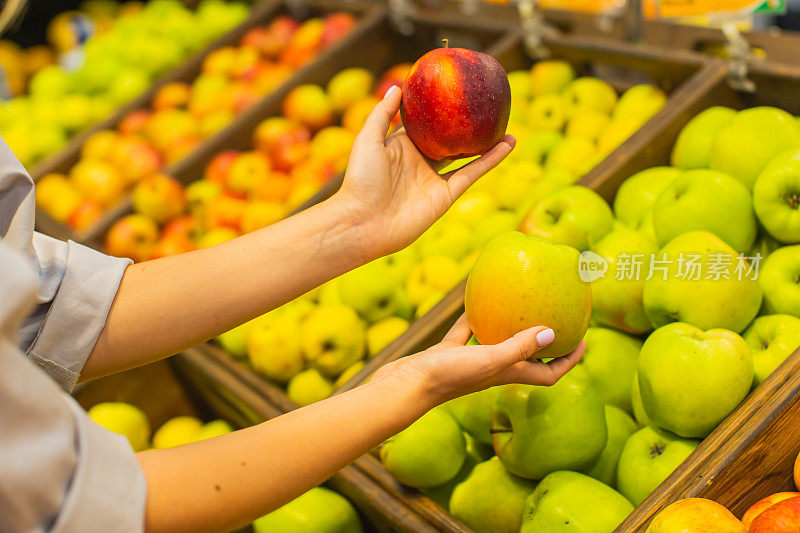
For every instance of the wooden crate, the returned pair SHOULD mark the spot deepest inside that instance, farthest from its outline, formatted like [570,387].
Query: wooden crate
[368,14]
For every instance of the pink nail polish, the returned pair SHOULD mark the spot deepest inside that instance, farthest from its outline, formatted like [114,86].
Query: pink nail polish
[545,337]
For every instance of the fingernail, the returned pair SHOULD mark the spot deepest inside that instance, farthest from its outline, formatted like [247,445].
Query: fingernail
[391,89]
[545,337]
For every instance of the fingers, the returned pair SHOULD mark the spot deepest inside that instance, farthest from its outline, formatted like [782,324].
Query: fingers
[460,180]
[459,334]
[521,346]
[539,373]
[377,125]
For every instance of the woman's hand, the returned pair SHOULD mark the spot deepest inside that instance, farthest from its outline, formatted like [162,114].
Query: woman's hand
[451,369]
[392,191]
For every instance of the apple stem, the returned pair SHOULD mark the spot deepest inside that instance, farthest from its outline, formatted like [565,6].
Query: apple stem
[493,431]
[446,42]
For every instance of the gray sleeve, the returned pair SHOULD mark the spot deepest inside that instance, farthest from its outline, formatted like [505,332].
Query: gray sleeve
[60,471]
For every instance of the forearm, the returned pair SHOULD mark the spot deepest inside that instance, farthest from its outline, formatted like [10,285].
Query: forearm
[169,304]
[230,480]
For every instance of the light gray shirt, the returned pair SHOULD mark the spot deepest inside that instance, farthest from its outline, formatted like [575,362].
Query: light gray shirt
[59,471]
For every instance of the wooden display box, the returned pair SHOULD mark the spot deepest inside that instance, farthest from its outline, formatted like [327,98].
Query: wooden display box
[185,170]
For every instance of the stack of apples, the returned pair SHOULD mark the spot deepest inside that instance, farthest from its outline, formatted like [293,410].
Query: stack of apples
[182,115]
[292,157]
[112,68]
[700,259]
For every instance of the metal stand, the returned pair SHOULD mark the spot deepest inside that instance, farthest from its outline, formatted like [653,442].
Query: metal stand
[533,25]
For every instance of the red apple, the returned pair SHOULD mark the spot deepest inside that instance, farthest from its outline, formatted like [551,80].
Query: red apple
[181,146]
[309,105]
[218,168]
[99,145]
[782,517]
[695,515]
[172,95]
[86,214]
[184,226]
[762,505]
[132,236]
[280,34]
[159,197]
[98,181]
[393,76]
[312,171]
[172,245]
[259,215]
[286,142]
[135,158]
[455,103]
[797,472]
[220,61]
[134,123]
[275,188]
[337,25]
[225,211]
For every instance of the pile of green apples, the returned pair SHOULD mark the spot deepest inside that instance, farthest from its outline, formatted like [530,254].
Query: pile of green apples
[115,66]
[668,356]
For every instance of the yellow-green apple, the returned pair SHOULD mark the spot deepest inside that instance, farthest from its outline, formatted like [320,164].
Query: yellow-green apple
[752,139]
[640,102]
[695,514]
[778,278]
[765,244]
[356,114]
[574,215]
[762,505]
[456,103]
[257,215]
[126,420]
[776,197]
[135,159]
[234,341]
[218,169]
[428,453]
[513,181]
[493,225]
[177,432]
[370,290]
[98,181]
[518,282]
[637,194]
[332,146]
[215,428]
[405,309]
[784,516]
[58,196]
[308,386]
[319,509]
[473,412]
[476,453]
[617,296]
[401,262]
[648,457]
[539,430]
[433,274]
[520,83]
[348,374]
[550,76]
[216,236]
[771,338]
[569,501]
[636,403]
[428,303]
[173,94]
[547,112]
[572,154]
[707,200]
[588,124]
[98,145]
[273,347]
[616,133]
[159,197]
[610,362]
[699,279]
[309,105]
[333,338]
[620,427]
[472,208]
[589,93]
[349,86]
[535,146]
[693,147]
[167,126]
[490,499]
[382,333]
[132,236]
[446,237]
[691,379]
[246,171]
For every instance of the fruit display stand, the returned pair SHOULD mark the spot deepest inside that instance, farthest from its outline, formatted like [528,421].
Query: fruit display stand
[191,385]
[368,15]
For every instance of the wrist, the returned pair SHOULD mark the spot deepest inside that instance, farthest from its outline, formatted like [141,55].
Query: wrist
[357,229]
[404,381]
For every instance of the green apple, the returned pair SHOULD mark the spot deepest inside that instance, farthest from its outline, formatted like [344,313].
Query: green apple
[778,278]
[588,124]
[687,290]
[383,333]
[428,453]
[693,146]
[538,430]
[649,456]
[402,262]
[234,341]
[428,303]
[177,432]
[616,133]
[126,420]
[371,290]
[333,338]
[571,502]
[753,138]
[691,379]
[492,226]
[620,427]
[572,154]
[514,181]
[706,200]
[519,81]
[308,386]
[637,194]
[776,197]
[329,293]
[550,76]
[536,146]
[274,348]
[319,510]
[575,216]
[215,428]
[405,309]
[476,453]
[771,338]
[765,244]
[473,412]
[638,407]
[445,237]
[547,112]
[617,296]
[472,208]
[491,499]
[348,374]
[640,102]
[432,275]
[610,362]
[589,93]
[518,282]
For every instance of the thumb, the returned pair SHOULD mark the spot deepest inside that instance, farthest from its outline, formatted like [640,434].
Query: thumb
[521,346]
[377,125]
